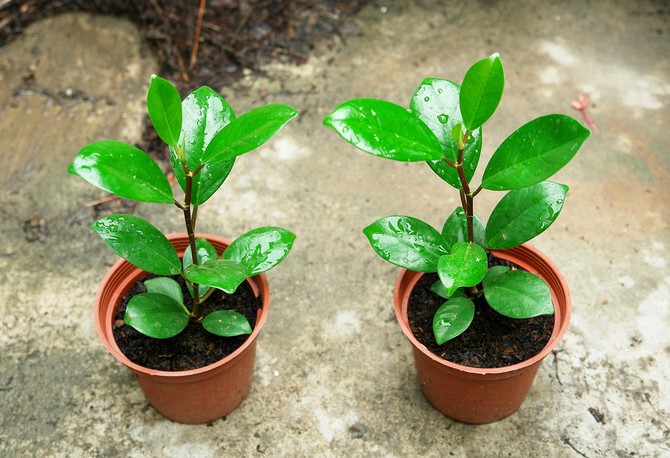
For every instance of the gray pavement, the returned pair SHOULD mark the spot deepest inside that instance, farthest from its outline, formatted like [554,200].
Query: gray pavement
[334,374]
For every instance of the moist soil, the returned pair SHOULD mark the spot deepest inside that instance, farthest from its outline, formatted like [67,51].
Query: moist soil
[194,347]
[492,340]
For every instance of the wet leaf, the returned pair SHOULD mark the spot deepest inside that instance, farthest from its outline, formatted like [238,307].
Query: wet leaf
[165,286]
[205,252]
[384,129]
[455,229]
[139,243]
[452,319]
[248,132]
[222,274]
[439,289]
[524,213]
[465,266]
[518,294]
[164,106]
[260,249]
[156,315]
[436,103]
[205,113]
[534,152]
[481,91]
[226,323]
[406,242]
[123,170]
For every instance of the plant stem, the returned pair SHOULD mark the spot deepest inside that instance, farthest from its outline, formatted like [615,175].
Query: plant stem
[195,313]
[467,197]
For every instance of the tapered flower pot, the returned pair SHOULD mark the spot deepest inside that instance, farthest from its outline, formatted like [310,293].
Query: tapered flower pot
[194,396]
[481,395]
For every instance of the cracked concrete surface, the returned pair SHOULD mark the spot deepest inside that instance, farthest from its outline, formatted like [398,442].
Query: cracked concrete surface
[334,374]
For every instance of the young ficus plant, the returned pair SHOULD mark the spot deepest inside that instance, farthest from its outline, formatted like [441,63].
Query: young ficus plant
[443,127]
[204,138]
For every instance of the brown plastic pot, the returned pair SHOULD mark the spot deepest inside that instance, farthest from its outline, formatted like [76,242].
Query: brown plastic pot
[483,395]
[194,396]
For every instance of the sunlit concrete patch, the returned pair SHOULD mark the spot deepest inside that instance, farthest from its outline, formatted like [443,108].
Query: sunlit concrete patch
[654,255]
[330,426]
[345,325]
[653,319]
[559,52]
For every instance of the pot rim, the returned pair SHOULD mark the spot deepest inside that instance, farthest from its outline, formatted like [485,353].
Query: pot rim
[104,315]
[532,259]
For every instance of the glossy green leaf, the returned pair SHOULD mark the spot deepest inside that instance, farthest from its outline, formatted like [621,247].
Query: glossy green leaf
[465,266]
[123,170]
[164,107]
[455,228]
[524,213]
[222,274]
[493,272]
[439,289]
[156,315]
[248,132]
[139,243]
[534,152]
[518,294]
[165,286]
[261,249]
[205,252]
[384,129]
[205,113]
[481,91]
[452,319]
[407,242]
[436,103]
[226,323]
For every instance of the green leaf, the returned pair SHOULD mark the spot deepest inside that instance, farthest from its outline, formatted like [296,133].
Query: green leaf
[524,213]
[481,91]
[222,274]
[165,286]
[452,319]
[164,106]
[206,113]
[123,170]
[406,242]
[226,323]
[493,272]
[248,132]
[455,228]
[156,315]
[139,243]
[384,129]
[260,249]
[465,266]
[518,294]
[205,252]
[436,103]
[439,289]
[534,152]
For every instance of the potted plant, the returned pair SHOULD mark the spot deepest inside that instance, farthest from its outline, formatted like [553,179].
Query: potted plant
[482,275]
[188,303]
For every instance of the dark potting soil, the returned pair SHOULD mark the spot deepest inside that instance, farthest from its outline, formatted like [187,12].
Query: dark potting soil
[194,347]
[492,340]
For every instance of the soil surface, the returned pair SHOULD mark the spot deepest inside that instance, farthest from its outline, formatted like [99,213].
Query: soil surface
[194,347]
[492,340]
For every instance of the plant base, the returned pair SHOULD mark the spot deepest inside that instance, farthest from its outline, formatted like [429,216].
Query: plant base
[483,395]
[194,396]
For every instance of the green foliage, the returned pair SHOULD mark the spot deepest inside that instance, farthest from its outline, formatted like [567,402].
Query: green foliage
[385,130]
[204,137]
[407,242]
[443,127]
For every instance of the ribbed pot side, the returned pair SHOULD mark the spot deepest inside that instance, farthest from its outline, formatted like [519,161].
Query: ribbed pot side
[194,396]
[483,395]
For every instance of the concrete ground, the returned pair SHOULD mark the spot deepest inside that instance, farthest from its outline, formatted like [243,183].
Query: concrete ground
[334,374]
